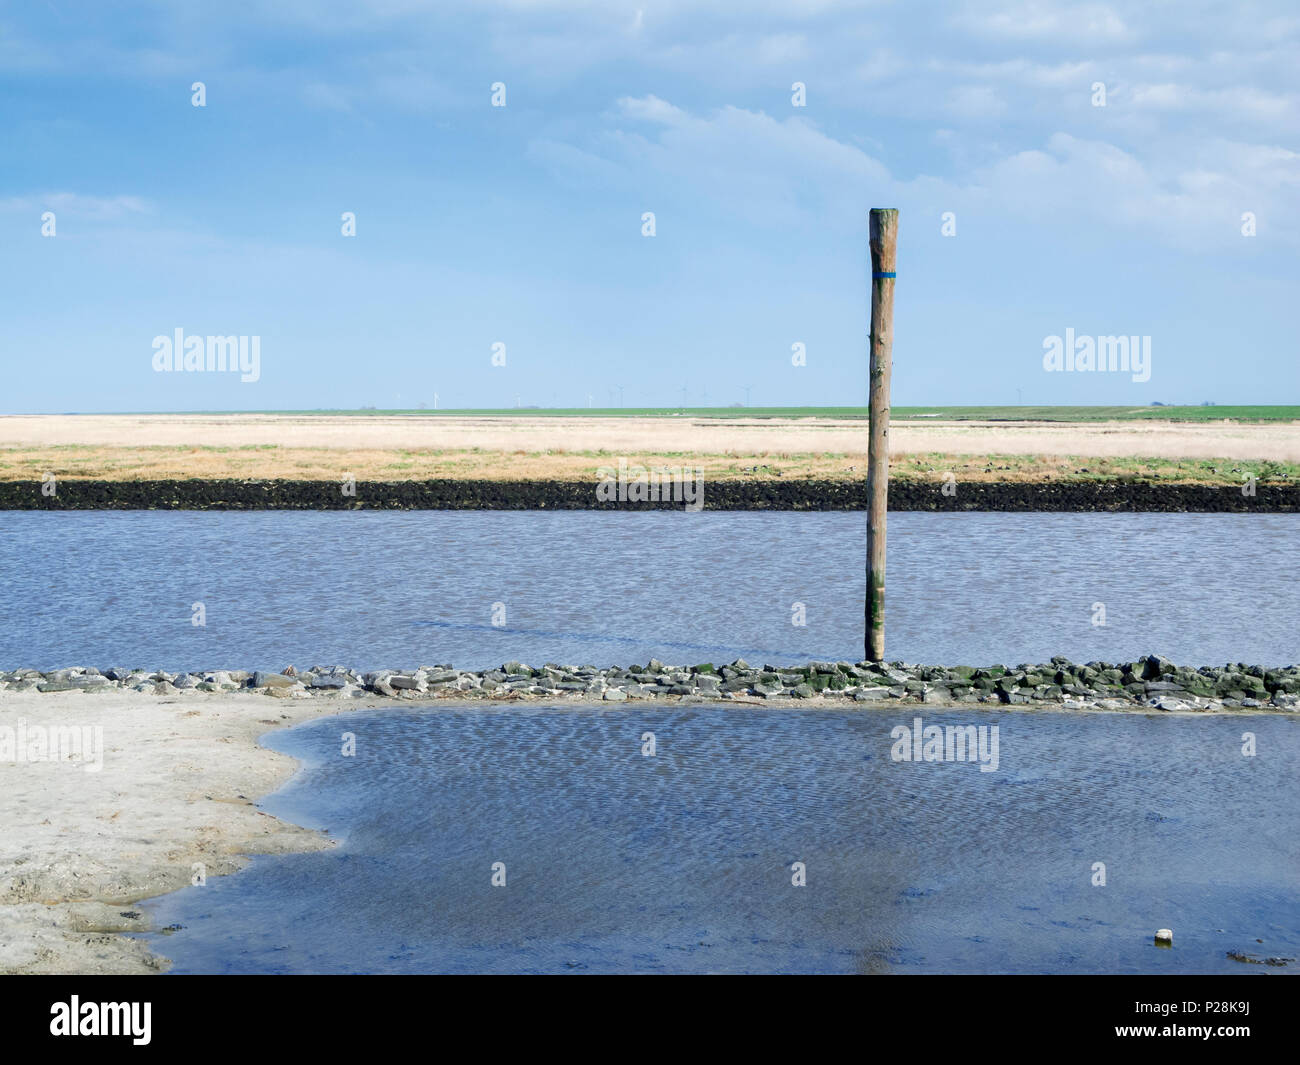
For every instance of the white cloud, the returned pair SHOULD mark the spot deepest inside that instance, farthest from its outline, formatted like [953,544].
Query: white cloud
[976,102]
[1236,102]
[1192,202]
[575,168]
[748,162]
[787,171]
[1020,71]
[1042,20]
[1009,79]
[93,208]
[651,109]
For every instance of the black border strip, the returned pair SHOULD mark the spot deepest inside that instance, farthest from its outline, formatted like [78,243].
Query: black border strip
[581,495]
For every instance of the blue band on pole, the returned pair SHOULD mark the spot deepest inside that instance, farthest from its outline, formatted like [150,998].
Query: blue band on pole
[877,274]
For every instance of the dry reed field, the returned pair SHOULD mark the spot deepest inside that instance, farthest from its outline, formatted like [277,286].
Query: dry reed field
[530,447]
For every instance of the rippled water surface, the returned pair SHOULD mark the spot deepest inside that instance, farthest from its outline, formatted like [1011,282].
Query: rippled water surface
[681,861]
[375,590]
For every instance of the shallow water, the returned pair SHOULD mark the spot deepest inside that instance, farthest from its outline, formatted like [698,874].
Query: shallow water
[377,589]
[682,861]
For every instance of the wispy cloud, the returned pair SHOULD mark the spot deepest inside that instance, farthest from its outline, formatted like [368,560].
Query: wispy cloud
[79,205]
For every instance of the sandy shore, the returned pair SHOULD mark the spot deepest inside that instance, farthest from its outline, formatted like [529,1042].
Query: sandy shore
[179,783]
[177,786]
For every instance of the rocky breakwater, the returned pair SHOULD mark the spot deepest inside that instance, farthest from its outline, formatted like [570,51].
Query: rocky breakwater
[1150,682]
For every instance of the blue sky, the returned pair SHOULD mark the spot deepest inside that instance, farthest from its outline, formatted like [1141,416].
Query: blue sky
[522,224]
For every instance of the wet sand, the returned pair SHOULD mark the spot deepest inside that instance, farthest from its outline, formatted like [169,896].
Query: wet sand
[177,786]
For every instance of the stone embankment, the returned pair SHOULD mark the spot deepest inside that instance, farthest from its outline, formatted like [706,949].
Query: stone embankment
[447,494]
[1150,682]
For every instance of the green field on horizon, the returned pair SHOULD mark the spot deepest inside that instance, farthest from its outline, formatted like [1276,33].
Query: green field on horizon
[1008,414]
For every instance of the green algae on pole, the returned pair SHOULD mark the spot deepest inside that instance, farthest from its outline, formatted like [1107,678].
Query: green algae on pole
[884,240]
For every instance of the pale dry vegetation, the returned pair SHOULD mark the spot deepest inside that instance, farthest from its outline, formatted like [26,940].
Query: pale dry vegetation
[325,447]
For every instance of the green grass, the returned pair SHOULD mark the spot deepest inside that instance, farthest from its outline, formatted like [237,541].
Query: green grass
[1102,414]
[1033,414]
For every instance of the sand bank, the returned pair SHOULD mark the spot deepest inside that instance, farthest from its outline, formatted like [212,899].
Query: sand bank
[177,786]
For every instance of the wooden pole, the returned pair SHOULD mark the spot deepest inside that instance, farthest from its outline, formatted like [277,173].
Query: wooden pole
[884,240]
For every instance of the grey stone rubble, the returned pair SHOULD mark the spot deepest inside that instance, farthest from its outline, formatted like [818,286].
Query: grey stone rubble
[1152,681]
